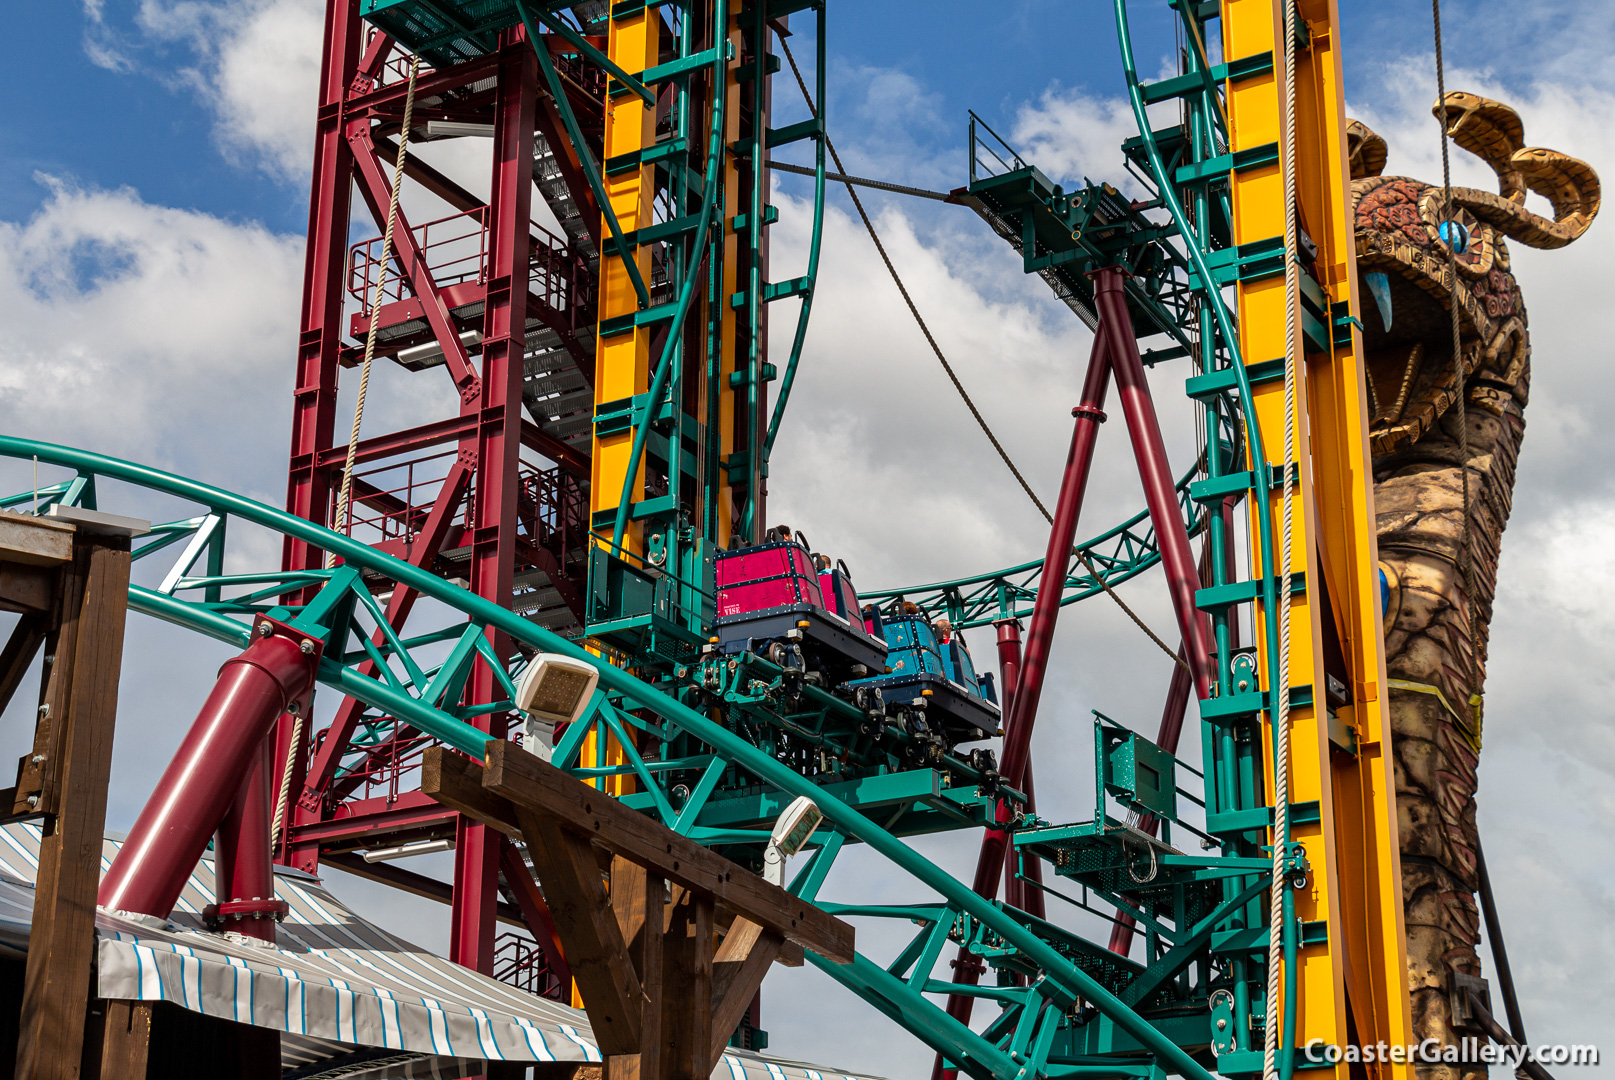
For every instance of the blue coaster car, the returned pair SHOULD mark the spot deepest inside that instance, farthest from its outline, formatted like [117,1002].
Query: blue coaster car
[773,595]
[920,669]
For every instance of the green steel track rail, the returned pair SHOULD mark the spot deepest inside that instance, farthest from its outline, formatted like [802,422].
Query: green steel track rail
[425,694]
[1117,555]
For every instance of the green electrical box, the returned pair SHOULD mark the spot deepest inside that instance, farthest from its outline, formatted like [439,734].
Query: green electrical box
[1140,773]
[647,611]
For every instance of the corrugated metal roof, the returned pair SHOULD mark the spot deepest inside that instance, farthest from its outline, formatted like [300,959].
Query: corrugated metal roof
[333,983]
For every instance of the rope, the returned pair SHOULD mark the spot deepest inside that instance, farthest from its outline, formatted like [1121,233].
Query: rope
[343,518]
[1003,455]
[1281,729]
[1462,377]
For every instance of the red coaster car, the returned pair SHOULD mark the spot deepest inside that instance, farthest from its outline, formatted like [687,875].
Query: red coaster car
[774,593]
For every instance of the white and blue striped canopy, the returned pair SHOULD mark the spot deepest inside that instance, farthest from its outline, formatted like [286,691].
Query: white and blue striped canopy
[334,983]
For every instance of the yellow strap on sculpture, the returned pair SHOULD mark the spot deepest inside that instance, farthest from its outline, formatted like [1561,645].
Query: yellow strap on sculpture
[1471,728]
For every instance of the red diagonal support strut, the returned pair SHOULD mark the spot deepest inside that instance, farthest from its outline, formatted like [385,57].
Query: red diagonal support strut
[1171,536]
[1021,703]
[377,191]
[1115,349]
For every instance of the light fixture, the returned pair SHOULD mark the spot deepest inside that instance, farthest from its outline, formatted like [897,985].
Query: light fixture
[556,689]
[451,129]
[430,354]
[791,833]
[404,851]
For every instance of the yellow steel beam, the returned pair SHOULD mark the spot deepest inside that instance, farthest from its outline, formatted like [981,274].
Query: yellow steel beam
[728,351]
[1355,889]
[622,361]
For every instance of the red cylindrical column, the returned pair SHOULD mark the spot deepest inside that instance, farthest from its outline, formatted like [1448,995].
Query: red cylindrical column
[1056,560]
[1020,703]
[1159,491]
[1009,669]
[208,770]
[243,869]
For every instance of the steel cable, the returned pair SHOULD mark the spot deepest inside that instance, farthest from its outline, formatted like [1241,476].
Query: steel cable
[1003,455]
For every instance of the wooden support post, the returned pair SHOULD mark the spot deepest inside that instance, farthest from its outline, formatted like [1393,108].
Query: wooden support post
[65,779]
[686,1022]
[637,898]
[126,1040]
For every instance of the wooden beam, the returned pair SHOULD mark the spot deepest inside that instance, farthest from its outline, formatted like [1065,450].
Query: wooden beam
[686,1015]
[745,956]
[531,783]
[76,744]
[26,637]
[456,781]
[27,589]
[594,945]
[33,541]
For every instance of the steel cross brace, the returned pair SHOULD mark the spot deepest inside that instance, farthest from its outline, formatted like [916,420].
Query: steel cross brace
[377,192]
[427,545]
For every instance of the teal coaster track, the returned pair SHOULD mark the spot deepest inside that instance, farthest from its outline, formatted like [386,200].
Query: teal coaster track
[718,745]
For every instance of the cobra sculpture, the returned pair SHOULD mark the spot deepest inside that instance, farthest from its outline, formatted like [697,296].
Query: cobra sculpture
[1436,624]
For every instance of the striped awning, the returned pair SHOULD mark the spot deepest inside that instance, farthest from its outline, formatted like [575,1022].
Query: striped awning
[334,984]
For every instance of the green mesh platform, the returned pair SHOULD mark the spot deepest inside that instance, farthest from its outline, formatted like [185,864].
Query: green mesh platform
[1101,858]
[443,32]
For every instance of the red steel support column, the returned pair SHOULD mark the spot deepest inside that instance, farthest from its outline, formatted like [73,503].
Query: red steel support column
[319,339]
[207,772]
[320,327]
[242,868]
[1159,492]
[1021,704]
[493,541]
[1016,891]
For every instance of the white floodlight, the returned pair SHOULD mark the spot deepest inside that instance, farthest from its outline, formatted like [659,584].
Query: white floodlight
[791,832]
[556,689]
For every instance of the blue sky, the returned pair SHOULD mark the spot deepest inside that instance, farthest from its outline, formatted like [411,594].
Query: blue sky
[153,174]
[142,121]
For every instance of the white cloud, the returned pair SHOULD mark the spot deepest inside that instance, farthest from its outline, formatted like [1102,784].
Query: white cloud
[265,75]
[144,330]
[1072,134]
[254,64]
